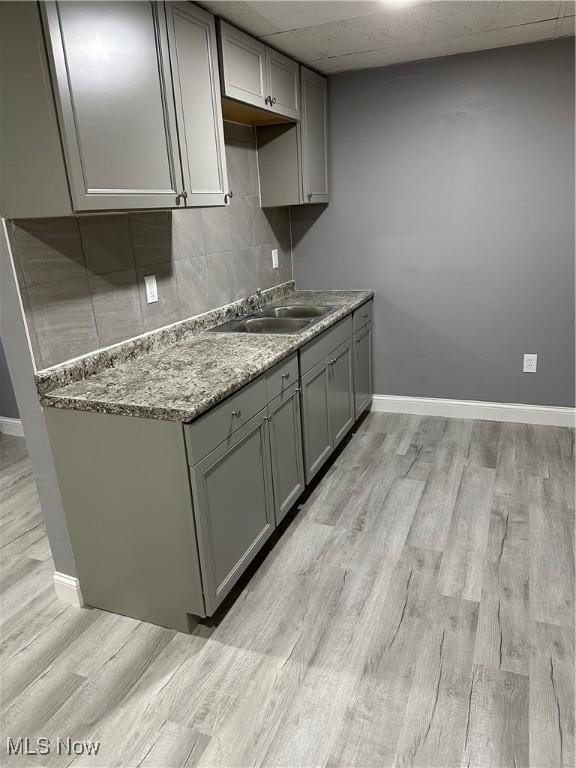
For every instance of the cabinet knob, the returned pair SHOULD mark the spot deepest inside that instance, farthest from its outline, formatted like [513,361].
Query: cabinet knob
[268,100]
[309,196]
[182,196]
[273,100]
[285,375]
[237,413]
[228,196]
[365,315]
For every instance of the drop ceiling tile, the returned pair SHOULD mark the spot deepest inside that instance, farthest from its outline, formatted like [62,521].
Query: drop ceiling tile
[420,23]
[291,45]
[242,14]
[461,44]
[565,26]
[568,9]
[291,14]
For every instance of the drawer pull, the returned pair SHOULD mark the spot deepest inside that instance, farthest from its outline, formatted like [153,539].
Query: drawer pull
[237,413]
[285,375]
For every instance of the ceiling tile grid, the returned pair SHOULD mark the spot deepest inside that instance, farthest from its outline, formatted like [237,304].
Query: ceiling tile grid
[337,35]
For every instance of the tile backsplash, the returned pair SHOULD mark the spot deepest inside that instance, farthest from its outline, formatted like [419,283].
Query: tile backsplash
[82,278]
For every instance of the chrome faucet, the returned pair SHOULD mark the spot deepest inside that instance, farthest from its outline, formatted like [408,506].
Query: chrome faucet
[251,303]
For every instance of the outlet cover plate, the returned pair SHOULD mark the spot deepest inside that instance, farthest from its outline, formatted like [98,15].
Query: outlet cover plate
[151,289]
[530,363]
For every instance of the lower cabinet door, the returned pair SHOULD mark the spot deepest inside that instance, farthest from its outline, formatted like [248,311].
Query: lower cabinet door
[342,390]
[233,507]
[286,450]
[316,420]
[362,370]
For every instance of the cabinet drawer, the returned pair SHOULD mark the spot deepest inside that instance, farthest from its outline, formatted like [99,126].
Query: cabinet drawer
[362,316]
[282,376]
[315,351]
[207,432]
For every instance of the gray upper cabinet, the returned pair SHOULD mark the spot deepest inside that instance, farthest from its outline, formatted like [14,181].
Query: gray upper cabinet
[286,450]
[293,158]
[314,139]
[362,370]
[233,507]
[128,97]
[243,66]
[257,75]
[111,72]
[283,77]
[194,61]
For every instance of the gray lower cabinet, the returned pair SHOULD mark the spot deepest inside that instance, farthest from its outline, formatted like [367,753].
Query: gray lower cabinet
[342,391]
[362,370]
[233,507]
[286,450]
[316,418]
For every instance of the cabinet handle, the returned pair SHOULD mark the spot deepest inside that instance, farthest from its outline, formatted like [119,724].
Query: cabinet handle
[272,100]
[268,100]
[237,413]
[228,196]
[285,375]
[309,196]
[357,341]
[182,196]
[267,418]
[365,316]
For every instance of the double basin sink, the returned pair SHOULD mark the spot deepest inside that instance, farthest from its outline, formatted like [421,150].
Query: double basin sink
[289,318]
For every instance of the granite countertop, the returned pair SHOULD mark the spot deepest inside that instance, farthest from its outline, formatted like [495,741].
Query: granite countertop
[184,379]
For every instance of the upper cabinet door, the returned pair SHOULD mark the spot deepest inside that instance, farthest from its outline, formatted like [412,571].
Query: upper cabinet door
[112,80]
[314,137]
[194,60]
[283,77]
[243,66]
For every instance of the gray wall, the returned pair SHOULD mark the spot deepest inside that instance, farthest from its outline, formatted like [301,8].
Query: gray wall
[8,405]
[453,197]
[82,278]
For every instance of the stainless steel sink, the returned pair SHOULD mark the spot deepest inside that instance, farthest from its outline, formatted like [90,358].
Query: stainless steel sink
[264,325]
[293,310]
[288,318]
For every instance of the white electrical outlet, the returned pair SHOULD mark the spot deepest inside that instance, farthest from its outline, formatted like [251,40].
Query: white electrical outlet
[151,289]
[274,258]
[530,363]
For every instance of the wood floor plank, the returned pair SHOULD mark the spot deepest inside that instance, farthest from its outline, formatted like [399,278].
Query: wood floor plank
[551,553]
[177,746]
[375,712]
[434,729]
[551,696]
[461,572]
[434,514]
[502,642]
[498,727]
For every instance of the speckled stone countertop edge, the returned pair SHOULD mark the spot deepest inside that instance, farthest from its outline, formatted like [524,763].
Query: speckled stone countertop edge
[91,364]
[288,344]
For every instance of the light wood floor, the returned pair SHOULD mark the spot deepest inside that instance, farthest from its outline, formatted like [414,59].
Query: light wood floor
[418,611]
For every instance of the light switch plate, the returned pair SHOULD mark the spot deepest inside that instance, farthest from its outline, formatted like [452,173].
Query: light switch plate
[151,289]
[274,258]
[530,363]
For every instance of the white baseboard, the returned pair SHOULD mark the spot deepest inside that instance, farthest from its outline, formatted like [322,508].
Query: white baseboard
[68,589]
[476,409]
[11,427]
